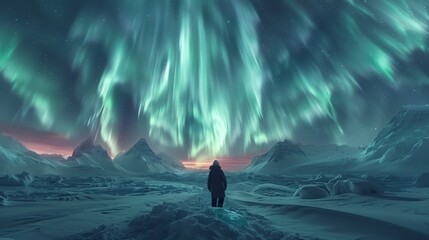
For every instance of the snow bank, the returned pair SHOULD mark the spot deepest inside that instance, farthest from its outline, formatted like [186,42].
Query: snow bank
[320,177]
[273,190]
[180,221]
[423,180]
[354,185]
[3,199]
[53,179]
[311,192]
[170,220]
[21,179]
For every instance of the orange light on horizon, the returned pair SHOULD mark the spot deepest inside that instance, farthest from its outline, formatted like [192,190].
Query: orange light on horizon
[228,163]
[196,165]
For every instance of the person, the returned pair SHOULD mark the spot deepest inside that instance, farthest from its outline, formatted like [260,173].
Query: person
[216,184]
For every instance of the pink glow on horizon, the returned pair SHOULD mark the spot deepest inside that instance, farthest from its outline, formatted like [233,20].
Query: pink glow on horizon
[47,149]
[41,142]
[54,143]
[232,163]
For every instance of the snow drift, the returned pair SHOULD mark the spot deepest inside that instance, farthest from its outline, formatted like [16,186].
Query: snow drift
[422,180]
[178,221]
[21,179]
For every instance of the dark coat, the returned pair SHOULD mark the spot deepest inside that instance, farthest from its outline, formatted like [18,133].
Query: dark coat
[216,182]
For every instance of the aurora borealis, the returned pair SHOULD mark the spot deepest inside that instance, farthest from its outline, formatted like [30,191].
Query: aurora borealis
[208,78]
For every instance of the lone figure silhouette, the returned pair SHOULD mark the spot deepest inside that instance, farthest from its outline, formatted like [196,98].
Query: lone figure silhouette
[216,184]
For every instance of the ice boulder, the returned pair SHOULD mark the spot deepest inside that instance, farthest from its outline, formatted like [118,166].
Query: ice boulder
[339,187]
[311,192]
[357,186]
[423,180]
[21,179]
[228,216]
[3,199]
[365,187]
[330,184]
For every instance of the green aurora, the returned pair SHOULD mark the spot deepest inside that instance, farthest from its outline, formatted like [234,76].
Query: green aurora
[208,78]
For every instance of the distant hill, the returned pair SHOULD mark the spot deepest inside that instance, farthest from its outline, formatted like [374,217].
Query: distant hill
[282,155]
[287,157]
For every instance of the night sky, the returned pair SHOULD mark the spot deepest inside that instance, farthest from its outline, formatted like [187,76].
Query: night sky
[208,78]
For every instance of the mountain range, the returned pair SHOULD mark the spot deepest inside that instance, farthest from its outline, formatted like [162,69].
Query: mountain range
[403,145]
[86,159]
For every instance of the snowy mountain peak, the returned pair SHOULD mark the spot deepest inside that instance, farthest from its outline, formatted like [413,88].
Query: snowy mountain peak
[15,157]
[93,158]
[408,117]
[285,148]
[142,147]
[85,146]
[88,147]
[404,141]
[410,120]
[11,143]
[142,160]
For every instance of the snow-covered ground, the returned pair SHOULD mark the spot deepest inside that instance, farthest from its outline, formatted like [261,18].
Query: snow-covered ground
[170,206]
